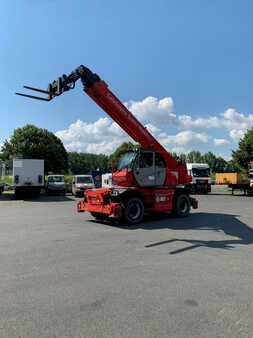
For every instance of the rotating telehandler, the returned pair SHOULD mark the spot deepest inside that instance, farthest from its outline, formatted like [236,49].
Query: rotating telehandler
[146,180]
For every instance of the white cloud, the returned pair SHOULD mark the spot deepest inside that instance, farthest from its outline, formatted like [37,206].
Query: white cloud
[237,134]
[220,141]
[152,129]
[101,136]
[183,138]
[153,110]
[161,113]
[231,120]
[187,122]
[104,135]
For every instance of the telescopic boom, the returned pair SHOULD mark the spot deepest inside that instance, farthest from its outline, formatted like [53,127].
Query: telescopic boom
[98,90]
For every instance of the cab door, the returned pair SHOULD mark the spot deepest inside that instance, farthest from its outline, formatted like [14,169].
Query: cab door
[144,169]
[160,170]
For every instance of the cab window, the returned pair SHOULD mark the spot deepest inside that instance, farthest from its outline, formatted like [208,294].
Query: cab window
[146,160]
[159,161]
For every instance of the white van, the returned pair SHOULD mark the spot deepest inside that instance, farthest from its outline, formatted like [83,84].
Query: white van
[80,183]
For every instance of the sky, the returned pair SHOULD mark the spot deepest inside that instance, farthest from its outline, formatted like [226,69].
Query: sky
[184,68]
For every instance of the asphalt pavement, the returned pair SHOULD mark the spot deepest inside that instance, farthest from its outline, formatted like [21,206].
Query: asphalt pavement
[65,275]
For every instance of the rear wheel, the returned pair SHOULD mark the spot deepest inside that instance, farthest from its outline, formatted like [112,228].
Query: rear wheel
[134,210]
[182,205]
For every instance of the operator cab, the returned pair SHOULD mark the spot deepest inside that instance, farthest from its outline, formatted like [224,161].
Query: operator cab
[148,167]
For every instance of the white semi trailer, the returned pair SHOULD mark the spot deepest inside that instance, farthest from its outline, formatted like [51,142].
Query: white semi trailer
[28,176]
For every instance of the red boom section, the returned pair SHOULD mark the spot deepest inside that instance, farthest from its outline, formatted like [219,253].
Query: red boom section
[100,93]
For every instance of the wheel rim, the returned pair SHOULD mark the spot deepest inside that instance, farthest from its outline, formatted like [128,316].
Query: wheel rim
[183,206]
[134,211]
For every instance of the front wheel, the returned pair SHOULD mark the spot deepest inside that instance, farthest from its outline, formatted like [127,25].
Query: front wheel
[134,210]
[182,205]
[99,216]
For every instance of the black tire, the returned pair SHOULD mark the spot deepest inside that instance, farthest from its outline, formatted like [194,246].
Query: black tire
[17,194]
[133,210]
[98,216]
[182,205]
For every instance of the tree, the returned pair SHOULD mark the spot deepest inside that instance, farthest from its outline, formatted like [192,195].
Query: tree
[174,155]
[220,165]
[183,158]
[244,153]
[194,157]
[84,163]
[32,142]
[232,167]
[210,159]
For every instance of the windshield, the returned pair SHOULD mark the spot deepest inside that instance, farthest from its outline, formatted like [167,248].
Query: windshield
[126,160]
[200,172]
[56,179]
[84,179]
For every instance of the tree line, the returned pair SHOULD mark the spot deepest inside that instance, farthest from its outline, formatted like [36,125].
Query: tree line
[33,142]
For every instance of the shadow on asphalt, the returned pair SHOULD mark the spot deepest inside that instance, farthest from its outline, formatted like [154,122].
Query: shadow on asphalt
[240,194]
[226,223]
[50,198]
[41,198]
[7,197]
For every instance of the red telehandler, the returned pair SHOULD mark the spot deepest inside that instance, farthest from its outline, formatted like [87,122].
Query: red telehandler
[146,180]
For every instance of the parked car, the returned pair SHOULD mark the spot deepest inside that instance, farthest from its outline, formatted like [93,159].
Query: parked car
[56,184]
[80,183]
[8,187]
[1,188]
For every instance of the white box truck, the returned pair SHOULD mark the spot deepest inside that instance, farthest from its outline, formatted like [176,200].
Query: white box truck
[28,176]
[201,177]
